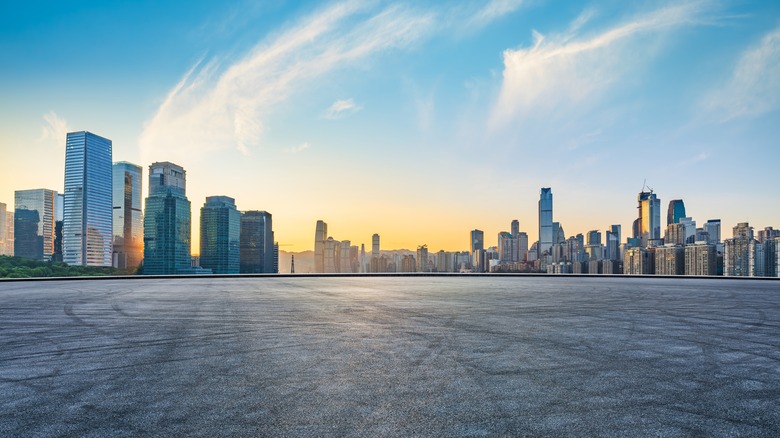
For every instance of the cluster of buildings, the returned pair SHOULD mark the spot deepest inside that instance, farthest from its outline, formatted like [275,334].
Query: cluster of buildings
[682,248]
[98,220]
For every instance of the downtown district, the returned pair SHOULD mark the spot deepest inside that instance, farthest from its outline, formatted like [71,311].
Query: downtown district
[98,221]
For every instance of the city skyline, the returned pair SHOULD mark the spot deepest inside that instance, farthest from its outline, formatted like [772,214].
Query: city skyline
[481,104]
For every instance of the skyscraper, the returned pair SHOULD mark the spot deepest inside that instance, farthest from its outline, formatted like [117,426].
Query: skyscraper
[675,212]
[515,227]
[127,217]
[739,252]
[8,246]
[34,226]
[167,223]
[375,246]
[257,240]
[87,227]
[59,220]
[3,228]
[220,234]
[545,221]
[477,240]
[649,219]
[320,236]
[422,258]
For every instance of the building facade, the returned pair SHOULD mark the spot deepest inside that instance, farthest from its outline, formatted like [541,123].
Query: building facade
[167,222]
[545,221]
[128,225]
[257,240]
[34,223]
[87,231]
[220,235]
[649,220]
[701,259]
[675,212]
[670,260]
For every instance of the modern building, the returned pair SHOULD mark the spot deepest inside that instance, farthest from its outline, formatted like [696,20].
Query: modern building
[515,227]
[59,220]
[701,259]
[670,260]
[712,227]
[128,223]
[739,252]
[477,240]
[220,235]
[7,247]
[320,236]
[34,223]
[375,252]
[167,221]
[545,221]
[257,243]
[422,259]
[649,220]
[772,257]
[87,232]
[639,261]
[332,253]
[675,212]
[4,231]
[612,249]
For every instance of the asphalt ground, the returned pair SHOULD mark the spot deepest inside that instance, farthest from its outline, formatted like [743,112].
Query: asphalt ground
[390,356]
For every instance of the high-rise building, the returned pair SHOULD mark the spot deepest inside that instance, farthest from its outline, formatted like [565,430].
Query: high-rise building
[375,246]
[767,233]
[649,220]
[128,225]
[701,259]
[689,230]
[332,253]
[739,252]
[772,257]
[669,260]
[257,237]
[477,240]
[522,246]
[515,227]
[34,223]
[639,261]
[220,235]
[8,246]
[59,220]
[507,247]
[167,221]
[612,249]
[320,236]
[422,259]
[87,229]
[675,212]
[276,258]
[545,221]
[712,227]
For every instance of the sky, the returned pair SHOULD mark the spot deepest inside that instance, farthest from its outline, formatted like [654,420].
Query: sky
[417,120]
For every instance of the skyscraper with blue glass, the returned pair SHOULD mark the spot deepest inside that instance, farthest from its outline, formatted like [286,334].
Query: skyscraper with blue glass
[34,226]
[128,220]
[87,226]
[257,243]
[167,221]
[220,234]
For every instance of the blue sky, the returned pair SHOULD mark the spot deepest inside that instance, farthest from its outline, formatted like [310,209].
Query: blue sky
[416,120]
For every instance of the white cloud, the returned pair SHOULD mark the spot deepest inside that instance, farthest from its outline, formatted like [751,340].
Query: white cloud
[54,129]
[492,10]
[754,86]
[342,108]
[561,72]
[217,107]
[297,149]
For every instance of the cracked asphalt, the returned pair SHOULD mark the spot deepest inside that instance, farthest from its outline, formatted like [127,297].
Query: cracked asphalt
[390,356]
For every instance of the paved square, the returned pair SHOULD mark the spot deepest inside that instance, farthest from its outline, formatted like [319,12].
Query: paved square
[395,356]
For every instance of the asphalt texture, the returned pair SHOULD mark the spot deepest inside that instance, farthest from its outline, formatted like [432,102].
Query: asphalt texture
[409,356]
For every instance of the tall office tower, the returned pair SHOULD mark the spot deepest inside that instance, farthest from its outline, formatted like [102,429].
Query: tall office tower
[59,220]
[320,236]
[558,235]
[701,259]
[649,219]
[257,237]
[363,267]
[128,221]
[767,233]
[739,252]
[675,212]
[477,240]
[669,260]
[34,223]
[612,250]
[331,260]
[757,259]
[675,234]
[167,221]
[345,257]
[545,221]
[375,246]
[689,230]
[522,246]
[220,235]
[712,227]
[87,228]
[422,258]
[515,227]
[507,248]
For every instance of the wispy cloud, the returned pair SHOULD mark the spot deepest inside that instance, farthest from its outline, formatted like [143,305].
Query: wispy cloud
[342,108]
[218,106]
[571,69]
[754,86]
[297,149]
[54,129]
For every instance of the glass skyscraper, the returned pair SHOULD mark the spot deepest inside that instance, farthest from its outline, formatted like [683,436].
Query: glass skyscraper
[34,227]
[545,221]
[675,212]
[257,242]
[649,220]
[87,226]
[220,234]
[127,217]
[167,222]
